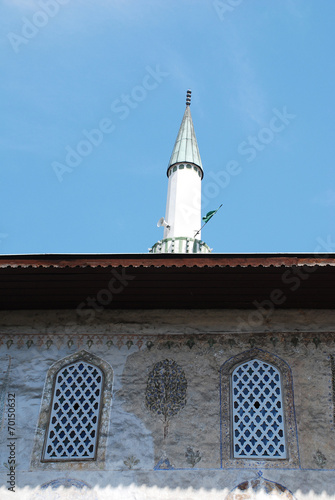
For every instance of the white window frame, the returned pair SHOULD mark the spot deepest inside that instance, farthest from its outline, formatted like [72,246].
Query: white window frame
[75,413]
[258,427]
[292,460]
[37,459]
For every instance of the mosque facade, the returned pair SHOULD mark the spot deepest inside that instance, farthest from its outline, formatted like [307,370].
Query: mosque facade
[177,374]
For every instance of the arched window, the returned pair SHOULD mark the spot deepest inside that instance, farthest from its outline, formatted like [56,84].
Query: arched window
[75,411]
[258,420]
[257,412]
[74,416]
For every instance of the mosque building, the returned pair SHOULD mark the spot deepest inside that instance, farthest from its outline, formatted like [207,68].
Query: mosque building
[174,374]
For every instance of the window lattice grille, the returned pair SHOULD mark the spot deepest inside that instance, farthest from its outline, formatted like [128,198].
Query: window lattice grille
[74,419]
[258,422]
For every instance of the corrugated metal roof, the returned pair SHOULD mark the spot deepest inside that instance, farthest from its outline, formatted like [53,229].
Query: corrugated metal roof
[165,260]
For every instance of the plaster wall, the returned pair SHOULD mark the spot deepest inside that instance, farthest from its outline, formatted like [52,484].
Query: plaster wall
[140,460]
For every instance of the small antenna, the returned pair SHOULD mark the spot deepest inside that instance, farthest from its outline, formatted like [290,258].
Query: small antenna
[188,97]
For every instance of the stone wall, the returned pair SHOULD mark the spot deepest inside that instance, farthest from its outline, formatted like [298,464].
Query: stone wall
[183,453]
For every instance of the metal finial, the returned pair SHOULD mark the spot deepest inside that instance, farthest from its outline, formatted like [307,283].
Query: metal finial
[188,97]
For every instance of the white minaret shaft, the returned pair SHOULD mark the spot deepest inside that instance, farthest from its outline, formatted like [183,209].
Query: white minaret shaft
[183,205]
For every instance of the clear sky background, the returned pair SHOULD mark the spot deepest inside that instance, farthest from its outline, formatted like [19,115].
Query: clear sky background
[67,65]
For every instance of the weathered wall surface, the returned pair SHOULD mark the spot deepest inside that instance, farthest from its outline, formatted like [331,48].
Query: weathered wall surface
[145,456]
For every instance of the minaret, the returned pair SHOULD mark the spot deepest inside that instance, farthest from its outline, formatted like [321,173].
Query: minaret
[182,221]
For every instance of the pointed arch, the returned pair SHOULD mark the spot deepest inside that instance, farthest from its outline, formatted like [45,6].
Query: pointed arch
[288,458]
[74,416]
[249,490]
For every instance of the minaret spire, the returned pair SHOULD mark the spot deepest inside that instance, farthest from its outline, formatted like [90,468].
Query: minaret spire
[186,146]
[183,207]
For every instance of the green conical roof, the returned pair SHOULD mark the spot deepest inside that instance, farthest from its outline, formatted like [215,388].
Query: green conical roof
[186,146]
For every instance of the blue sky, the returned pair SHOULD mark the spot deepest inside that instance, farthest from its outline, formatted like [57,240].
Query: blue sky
[262,76]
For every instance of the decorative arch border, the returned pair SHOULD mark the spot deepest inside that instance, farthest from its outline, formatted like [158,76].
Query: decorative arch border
[45,410]
[293,460]
[74,489]
[249,489]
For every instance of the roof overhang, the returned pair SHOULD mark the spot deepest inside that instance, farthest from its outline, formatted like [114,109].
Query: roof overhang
[149,281]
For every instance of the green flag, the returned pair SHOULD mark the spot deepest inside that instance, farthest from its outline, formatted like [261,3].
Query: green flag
[209,215]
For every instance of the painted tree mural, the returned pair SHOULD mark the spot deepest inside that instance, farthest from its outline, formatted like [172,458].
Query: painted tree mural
[166,391]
